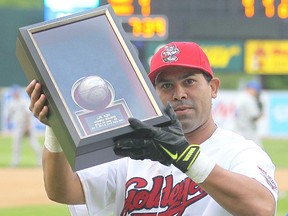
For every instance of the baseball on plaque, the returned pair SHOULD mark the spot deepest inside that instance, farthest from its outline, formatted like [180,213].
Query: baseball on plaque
[99,111]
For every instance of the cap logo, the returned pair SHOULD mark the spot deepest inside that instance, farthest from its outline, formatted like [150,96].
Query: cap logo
[169,54]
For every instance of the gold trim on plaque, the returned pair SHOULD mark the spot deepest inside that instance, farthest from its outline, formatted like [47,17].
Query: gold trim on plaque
[133,63]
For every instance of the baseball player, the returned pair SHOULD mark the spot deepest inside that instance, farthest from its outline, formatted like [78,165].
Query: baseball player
[21,118]
[189,167]
[249,110]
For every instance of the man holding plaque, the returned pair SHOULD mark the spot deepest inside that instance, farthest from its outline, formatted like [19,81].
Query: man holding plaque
[190,167]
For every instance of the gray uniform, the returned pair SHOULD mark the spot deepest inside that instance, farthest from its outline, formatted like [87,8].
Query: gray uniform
[21,118]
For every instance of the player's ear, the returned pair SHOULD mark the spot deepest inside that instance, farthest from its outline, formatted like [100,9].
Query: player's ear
[214,84]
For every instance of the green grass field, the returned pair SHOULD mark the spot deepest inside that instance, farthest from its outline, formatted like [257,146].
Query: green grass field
[276,148]
[46,210]
[28,158]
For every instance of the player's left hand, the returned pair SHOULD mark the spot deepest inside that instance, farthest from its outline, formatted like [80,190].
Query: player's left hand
[167,145]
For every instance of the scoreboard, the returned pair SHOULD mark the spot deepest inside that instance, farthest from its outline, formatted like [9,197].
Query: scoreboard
[137,20]
[136,17]
[155,20]
[271,8]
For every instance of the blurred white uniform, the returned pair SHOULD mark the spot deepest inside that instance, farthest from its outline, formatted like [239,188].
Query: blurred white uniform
[248,111]
[21,118]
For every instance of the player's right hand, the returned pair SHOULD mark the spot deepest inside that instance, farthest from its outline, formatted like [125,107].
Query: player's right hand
[164,144]
[37,102]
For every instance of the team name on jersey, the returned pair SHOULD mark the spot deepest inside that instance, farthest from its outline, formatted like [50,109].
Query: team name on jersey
[164,198]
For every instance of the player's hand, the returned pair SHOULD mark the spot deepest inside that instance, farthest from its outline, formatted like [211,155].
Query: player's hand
[167,145]
[37,102]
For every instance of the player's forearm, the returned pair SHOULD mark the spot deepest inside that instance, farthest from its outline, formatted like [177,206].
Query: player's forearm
[61,183]
[239,194]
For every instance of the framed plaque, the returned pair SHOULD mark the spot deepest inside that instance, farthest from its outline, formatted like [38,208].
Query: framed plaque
[93,81]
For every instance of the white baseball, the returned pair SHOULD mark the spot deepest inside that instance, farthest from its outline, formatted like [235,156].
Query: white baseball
[93,89]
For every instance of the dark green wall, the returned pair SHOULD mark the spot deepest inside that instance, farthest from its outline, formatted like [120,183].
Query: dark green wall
[10,21]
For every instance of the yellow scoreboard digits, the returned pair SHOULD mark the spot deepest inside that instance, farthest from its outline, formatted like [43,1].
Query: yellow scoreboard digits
[270,7]
[283,9]
[142,25]
[148,27]
[145,7]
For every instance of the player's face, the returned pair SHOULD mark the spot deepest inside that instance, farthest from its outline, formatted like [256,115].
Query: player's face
[190,95]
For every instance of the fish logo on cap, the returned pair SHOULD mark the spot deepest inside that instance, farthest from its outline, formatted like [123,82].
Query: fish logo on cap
[169,54]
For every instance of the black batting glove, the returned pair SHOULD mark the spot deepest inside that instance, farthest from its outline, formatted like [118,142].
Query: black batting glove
[167,145]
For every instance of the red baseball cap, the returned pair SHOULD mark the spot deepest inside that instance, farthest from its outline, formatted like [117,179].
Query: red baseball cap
[186,54]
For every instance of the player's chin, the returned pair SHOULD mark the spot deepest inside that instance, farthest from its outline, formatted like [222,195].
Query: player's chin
[184,119]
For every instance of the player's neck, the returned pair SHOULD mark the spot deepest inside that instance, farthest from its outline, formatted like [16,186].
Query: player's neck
[202,133]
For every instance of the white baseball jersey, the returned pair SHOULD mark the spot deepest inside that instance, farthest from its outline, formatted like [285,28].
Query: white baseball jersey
[130,187]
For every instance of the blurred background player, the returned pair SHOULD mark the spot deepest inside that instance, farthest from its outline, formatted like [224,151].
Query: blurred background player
[21,119]
[249,110]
